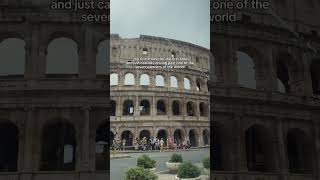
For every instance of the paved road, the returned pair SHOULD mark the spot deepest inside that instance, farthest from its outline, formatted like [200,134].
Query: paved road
[120,166]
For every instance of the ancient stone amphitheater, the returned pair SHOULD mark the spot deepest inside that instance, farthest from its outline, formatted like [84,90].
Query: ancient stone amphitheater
[265,104]
[156,102]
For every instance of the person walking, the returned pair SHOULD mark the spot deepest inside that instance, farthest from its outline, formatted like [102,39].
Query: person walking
[123,144]
[161,145]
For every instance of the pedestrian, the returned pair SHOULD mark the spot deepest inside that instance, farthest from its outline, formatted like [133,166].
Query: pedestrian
[161,145]
[123,143]
[136,144]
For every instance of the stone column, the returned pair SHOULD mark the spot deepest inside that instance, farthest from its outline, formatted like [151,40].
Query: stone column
[282,155]
[136,109]
[238,140]
[84,138]
[25,159]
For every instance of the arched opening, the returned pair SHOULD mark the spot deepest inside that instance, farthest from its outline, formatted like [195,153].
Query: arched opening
[112,136]
[113,105]
[283,74]
[144,80]
[199,84]
[159,81]
[161,107]
[129,79]
[102,162]
[9,139]
[145,133]
[190,109]
[246,70]
[162,134]
[175,108]
[58,147]
[127,136]
[315,76]
[203,109]
[114,79]
[193,138]
[144,108]
[173,82]
[186,83]
[12,64]
[299,152]
[206,137]
[62,57]
[178,136]
[259,149]
[128,108]
[102,58]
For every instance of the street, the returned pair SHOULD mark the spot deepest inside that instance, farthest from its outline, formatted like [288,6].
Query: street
[120,166]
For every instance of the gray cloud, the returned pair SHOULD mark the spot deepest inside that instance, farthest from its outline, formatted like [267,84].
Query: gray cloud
[186,20]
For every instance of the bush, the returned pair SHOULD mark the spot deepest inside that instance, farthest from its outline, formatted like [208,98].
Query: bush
[206,162]
[139,173]
[188,170]
[146,162]
[176,158]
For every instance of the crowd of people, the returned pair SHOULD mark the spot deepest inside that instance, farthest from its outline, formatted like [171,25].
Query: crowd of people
[153,143]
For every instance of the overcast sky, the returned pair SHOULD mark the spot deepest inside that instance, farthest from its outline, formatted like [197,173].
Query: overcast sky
[186,20]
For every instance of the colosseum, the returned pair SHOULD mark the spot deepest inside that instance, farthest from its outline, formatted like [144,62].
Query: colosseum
[265,117]
[159,102]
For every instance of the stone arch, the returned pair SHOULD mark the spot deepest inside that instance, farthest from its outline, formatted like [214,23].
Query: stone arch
[62,57]
[203,109]
[186,83]
[160,80]
[220,141]
[259,149]
[176,107]
[144,107]
[178,136]
[128,108]
[193,138]
[113,107]
[206,137]
[299,152]
[114,79]
[199,84]
[144,79]
[174,82]
[102,58]
[246,67]
[9,139]
[102,140]
[58,151]
[191,108]
[129,79]
[128,136]
[162,133]
[161,107]
[144,133]
[12,64]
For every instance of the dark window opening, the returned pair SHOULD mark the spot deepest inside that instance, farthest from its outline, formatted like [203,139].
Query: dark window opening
[144,107]
[58,148]
[161,108]
[128,108]
[175,108]
[9,139]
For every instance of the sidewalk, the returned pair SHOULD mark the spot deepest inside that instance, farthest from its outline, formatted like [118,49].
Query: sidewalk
[166,150]
[171,177]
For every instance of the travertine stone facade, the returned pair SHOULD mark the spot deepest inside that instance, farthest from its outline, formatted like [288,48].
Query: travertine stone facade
[261,133]
[159,88]
[38,110]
